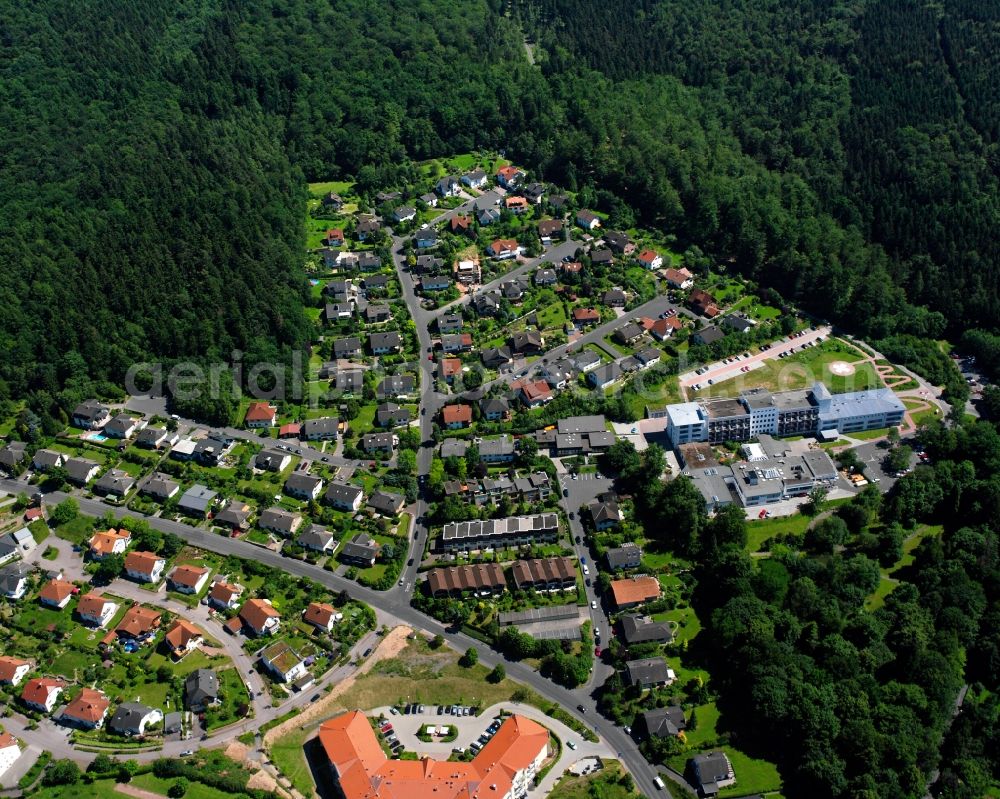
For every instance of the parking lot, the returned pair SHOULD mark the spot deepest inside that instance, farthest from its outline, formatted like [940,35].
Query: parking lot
[471,729]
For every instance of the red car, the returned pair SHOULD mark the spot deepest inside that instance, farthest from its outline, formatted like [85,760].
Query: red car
[597,651]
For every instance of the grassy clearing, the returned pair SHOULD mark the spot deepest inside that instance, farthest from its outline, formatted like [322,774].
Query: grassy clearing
[287,754]
[888,582]
[760,531]
[341,187]
[605,784]
[196,790]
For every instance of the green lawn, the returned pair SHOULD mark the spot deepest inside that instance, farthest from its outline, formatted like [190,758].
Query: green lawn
[603,784]
[364,422]
[760,531]
[341,187]
[196,790]
[287,754]
[887,582]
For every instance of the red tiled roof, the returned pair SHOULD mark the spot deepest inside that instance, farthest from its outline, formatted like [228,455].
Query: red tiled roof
[454,414]
[56,591]
[319,613]
[9,667]
[634,590]
[260,412]
[536,390]
[648,256]
[187,575]
[141,562]
[290,429]
[223,592]
[139,621]
[180,633]
[450,366]
[91,604]
[103,543]
[586,315]
[89,706]
[37,691]
[256,612]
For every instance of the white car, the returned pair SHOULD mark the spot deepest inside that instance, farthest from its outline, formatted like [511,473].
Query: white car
[571,744]
[593,605]
[586,570]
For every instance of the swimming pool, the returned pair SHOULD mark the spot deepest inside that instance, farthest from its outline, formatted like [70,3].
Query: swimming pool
[97,437]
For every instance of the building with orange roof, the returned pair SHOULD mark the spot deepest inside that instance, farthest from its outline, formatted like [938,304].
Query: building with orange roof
[138,622]
[320,615]
[57,593]
[634,591]
[224,596]
[455,416]
[109,542]
[188,579]
[504,769]
[260,617]
[183,637]
[144,567]
[42,693]
[10,751]
[88,710]
[261,414]
[13,670]
[95,609]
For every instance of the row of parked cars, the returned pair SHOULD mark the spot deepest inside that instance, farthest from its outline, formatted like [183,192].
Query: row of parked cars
[442,710]
[390,738]
[484,739]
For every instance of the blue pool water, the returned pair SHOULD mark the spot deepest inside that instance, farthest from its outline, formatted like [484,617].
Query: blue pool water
[97,437]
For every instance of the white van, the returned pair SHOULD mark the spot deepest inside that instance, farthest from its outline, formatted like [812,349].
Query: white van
[658,783]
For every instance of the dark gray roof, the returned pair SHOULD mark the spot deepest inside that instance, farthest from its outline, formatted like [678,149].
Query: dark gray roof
[394,385]
[11,576]
[639,629]
[647,671]
[323,426]
[302,483]
[315,538]
[201,687]
[197,497]
[128,716]
[374,441]
[345,345]
[343,493]
[626,556]
[361,547]
[389,413]
[665,721]
[278,519]
[115,481]
[79,469]
[385,501]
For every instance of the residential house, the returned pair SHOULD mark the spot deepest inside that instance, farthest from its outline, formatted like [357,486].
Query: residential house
[138,623]
[649,673]
[629,333]
[339,290]
[588,220]
[496,357]
[88,710]
[615,298]
[224,596]
[630,592]
[605,514]
[405,213]
[349,381]
[366,228]
[387,196]
[13,670]
[109,542]
[435,283]
[475,179]
[517,205]
[604,376]
[448,186]
[347,347]
[483,579]
[280,521]
[183,637]
[548,229]
[545,574]
[665,722]
[662,329]
[450,323]
[712,772]
[133,719]
[627,556]
[534,193]
[317,539]
[261,414]
[679,278]
[335,311]
[494,409]
[619,242]
[468,271]
[586,361]
[650,356]
[321,616]
[502,249]
[16,543]
[456,416]
[448,368]
[197,500]
[57,593]
[361,550]
[703,303]
[739,323]
[496,450]
[558,374]
[509,176]
[189,579]
[10,751]
[42,693]
[114,483]
[643,630]
[377,314]
[95,609]
[460,223]
[155,438]
[536,393]
[46,459]
[123,426]
[487,216]
[332,200]
[14,580]
[335,237]
[571,267]
[650,259]
[386,502]
[430,199]
[322,429]
[545,277]
[272,460]
[12,456]
[708,335]
[283,662]
[602,257]
[379,442]
[527,341]
[303,486]
[260,617]
[144,567]
[90,415]
[426,239]
[343,496]
[161,488]
[486,304]
[201,690]
[586,316]
[456,342]
[513,290]
[388,414]
[236,515]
